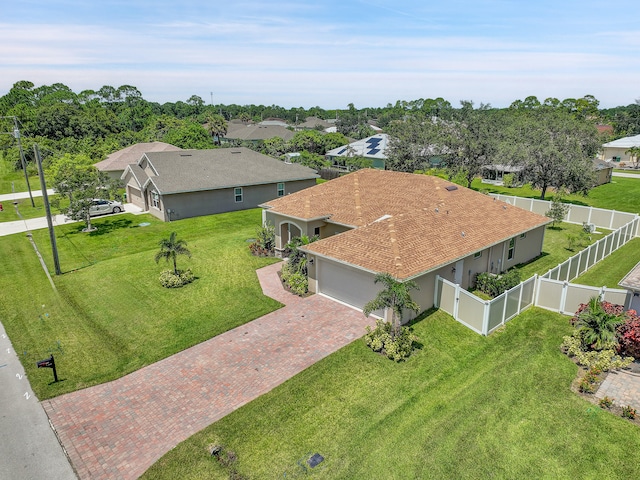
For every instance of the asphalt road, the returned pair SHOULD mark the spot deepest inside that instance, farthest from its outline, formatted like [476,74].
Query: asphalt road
[29,449]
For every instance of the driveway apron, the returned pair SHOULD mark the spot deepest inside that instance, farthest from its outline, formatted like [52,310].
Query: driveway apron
[119,429]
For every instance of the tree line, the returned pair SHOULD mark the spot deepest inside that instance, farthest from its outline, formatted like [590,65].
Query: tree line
[551,140]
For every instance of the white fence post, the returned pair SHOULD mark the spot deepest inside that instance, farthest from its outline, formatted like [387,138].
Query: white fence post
[436,300]
[485,318]
[456,302]
[563,297]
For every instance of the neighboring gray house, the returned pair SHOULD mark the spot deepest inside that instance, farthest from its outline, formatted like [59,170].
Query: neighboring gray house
[191,183]
[115,164]
[257,133]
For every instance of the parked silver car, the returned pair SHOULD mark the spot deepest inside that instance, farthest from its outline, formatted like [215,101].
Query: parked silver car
[100,207]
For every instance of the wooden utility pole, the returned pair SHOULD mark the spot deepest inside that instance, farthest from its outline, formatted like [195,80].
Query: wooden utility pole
[47,208]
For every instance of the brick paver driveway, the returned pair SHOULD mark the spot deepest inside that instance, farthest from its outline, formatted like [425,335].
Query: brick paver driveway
[119,429]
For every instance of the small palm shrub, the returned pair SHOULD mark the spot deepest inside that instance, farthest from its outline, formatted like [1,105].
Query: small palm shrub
[597,325]
[264,245]
[169,279]
[397,347]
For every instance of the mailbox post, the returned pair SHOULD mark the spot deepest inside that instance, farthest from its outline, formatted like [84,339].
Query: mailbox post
[49,363]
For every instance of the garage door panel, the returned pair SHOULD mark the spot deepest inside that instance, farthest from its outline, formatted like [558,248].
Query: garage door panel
[349,285]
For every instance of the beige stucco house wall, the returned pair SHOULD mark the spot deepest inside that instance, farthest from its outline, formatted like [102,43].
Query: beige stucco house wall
[344,262]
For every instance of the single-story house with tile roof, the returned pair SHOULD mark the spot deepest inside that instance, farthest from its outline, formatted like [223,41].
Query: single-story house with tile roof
[257,133]
[115,163]
[616,151]
[411,226]
[373,147]
[191,183]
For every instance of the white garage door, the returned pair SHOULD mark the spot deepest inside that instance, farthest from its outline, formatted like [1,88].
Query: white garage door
[349,285]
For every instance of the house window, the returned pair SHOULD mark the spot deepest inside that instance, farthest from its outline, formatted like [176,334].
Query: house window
[155,200]
[477,255]
[238,194]
[616,159]
[512,249]
[281,189]
[523,235]
[316,231]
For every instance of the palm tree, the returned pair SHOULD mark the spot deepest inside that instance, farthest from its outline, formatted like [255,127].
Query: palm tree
[634,154]
[217,127]
[396,296]
[597,326]
[170,248]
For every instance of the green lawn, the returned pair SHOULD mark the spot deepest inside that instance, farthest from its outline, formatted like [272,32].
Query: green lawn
[621,194]
[555,249]
[610,271]
[26,210]
[110,315]
[13,181]
[464,406]
[624,170]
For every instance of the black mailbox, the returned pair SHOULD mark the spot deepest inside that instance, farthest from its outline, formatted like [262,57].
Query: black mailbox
[49,363]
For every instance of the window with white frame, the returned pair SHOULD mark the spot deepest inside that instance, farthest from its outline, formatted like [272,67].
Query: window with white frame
[523,235]
[155,200]
[512,249]
[477,255]
[280,189]
[238,194]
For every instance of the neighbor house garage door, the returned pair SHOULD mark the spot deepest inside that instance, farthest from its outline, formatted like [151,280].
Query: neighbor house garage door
[349,285]
[134,196]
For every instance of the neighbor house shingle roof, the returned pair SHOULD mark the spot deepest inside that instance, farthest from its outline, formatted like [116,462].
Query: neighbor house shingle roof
[197,170]
[259,132]
[131,154]
[407,224]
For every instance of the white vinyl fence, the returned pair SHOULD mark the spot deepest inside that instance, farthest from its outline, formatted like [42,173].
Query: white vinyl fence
[551,290]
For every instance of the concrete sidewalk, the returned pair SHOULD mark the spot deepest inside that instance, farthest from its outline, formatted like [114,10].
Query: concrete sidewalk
[18,226]
[29,448]
[9,197]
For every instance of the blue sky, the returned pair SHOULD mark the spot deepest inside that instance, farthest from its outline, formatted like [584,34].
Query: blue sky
[327,53]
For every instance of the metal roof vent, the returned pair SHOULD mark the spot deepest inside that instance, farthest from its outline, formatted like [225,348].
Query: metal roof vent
[451,188]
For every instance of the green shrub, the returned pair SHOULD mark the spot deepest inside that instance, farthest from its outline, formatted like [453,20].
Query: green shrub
[169,279]
[629,412]
[572,241]
[264,245]
[494,285]
[508,180]
[603,360]
[297,281]
[396,348]
[586,386]
[606,402]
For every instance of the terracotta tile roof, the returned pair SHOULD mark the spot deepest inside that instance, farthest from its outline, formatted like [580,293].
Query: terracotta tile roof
[407,224]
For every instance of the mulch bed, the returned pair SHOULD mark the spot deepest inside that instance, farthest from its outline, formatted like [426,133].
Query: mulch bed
[591,397]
